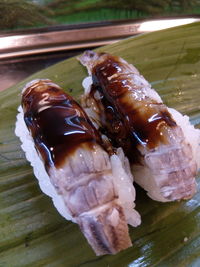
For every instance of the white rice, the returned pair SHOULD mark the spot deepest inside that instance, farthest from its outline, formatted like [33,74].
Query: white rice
[123,181]
[38,167]
[191,134]
[192,137]
[121,175]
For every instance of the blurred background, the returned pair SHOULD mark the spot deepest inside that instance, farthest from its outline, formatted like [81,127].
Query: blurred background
[34,34]
[18,14]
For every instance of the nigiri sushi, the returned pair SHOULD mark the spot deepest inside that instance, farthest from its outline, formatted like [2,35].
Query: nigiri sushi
[88,185]
[161,144]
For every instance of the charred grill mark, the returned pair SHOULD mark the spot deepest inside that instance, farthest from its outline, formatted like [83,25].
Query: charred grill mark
[57,123]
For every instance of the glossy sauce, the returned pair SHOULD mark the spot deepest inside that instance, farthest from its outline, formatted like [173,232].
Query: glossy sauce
[142,121]
[57,123]
[113,127]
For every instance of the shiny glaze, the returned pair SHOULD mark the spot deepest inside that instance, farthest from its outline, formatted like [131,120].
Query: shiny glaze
[142,121]
[57,123]
[112,125]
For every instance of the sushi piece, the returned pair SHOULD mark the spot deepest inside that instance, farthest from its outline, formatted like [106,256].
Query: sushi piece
[161,144]
[87,185]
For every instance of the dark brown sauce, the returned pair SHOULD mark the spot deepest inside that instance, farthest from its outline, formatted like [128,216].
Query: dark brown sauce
[57,123]
[112,126]
[141,122]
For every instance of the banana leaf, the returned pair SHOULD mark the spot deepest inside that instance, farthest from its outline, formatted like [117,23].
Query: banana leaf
[32,233]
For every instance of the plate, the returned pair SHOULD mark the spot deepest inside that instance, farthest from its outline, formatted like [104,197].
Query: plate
[34,234]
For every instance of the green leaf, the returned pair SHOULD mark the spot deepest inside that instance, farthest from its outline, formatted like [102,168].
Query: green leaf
[32,233]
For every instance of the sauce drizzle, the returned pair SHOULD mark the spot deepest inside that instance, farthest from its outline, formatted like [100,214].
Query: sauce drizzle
[143,121]
[57,123]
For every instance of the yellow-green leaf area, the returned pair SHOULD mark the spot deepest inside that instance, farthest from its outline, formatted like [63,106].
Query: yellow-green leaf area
[32,233]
